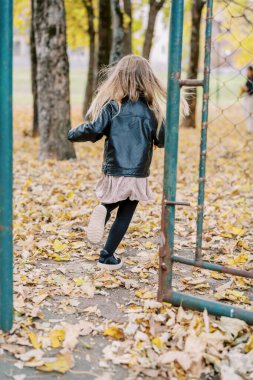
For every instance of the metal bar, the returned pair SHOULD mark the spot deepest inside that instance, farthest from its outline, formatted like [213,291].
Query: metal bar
[212,307]
[191,82]
[212,266]
[171,145]
[202,161]
[6,272]
[177,203]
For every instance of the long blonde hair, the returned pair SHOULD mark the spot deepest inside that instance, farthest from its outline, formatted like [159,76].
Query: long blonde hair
[133,77]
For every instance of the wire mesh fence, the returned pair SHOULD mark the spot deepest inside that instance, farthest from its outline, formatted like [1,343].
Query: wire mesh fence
[228,221]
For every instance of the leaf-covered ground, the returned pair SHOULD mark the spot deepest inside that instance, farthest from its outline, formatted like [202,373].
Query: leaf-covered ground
[74,319]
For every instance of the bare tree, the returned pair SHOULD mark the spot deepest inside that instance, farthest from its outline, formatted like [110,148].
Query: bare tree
[196,12]
[154,7]
[52,79]
[104,33]
[128,27]
[117,51]
[35,126]
[92,69]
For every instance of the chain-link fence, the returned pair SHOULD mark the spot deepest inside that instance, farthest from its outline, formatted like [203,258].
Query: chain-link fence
[228,223]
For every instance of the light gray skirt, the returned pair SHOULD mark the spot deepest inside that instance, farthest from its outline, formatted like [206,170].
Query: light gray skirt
[111,189]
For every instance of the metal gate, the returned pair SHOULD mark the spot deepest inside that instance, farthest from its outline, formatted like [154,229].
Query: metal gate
[167,256]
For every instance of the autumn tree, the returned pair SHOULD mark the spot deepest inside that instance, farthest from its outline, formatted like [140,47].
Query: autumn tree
[52,79]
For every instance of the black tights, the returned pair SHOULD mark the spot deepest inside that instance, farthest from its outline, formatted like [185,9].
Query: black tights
[125,213]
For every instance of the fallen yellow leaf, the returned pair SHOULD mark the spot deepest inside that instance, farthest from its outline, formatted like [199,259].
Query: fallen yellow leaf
[233,295]
[249,344]
[78,281]
[63,363]
[150,245]
[114,332]
[34,340]
[144,294]
[158,343]
[57,337]
[58,246]
[218,276]
[70,195]
[242,244]
[240,259]
[234,230]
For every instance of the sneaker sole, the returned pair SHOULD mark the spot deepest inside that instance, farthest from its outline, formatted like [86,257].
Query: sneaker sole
[96,226]
[110,267]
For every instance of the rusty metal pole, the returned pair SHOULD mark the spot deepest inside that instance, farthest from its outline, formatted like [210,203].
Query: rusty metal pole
[6,272]
[171,147]
[203,144]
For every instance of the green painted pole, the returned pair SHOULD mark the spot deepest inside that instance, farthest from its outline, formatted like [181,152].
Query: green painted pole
[203,144]
[6,271]
[171,145]
[213,307]
[212,266]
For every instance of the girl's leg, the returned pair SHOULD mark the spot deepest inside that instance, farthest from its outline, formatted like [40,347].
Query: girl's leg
[250,119]
[248,104]
[98,220]
[109,207]
[124,215]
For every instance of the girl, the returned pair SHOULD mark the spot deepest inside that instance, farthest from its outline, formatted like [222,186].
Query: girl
[127,112]
[247,89]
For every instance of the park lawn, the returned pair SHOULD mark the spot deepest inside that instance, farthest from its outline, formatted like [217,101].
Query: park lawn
[61,298]
[22,95]
[224,87]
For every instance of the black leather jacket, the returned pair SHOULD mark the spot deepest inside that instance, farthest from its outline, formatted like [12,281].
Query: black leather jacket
[130,136]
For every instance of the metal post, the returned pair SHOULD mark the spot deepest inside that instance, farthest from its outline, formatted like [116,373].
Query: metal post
[202,162]
[171,147]
[212,307]
[212,266]
[6,273]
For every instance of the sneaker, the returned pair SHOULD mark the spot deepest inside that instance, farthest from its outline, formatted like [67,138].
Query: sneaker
[109,261]
[96,226]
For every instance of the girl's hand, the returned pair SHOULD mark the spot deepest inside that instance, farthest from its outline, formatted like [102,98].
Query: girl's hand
[243,90]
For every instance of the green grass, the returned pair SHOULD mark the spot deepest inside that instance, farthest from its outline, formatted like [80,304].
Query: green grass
[22,95]
[227,86]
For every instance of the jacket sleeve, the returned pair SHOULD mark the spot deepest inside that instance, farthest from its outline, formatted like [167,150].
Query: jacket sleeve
[159,140]
[92,131]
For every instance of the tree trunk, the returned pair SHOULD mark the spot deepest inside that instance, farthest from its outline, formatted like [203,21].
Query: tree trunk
[196,11]
[117,51]
[35,126]
[104,33]
[52,79]
[128,27]
[91,76]
[154,8]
